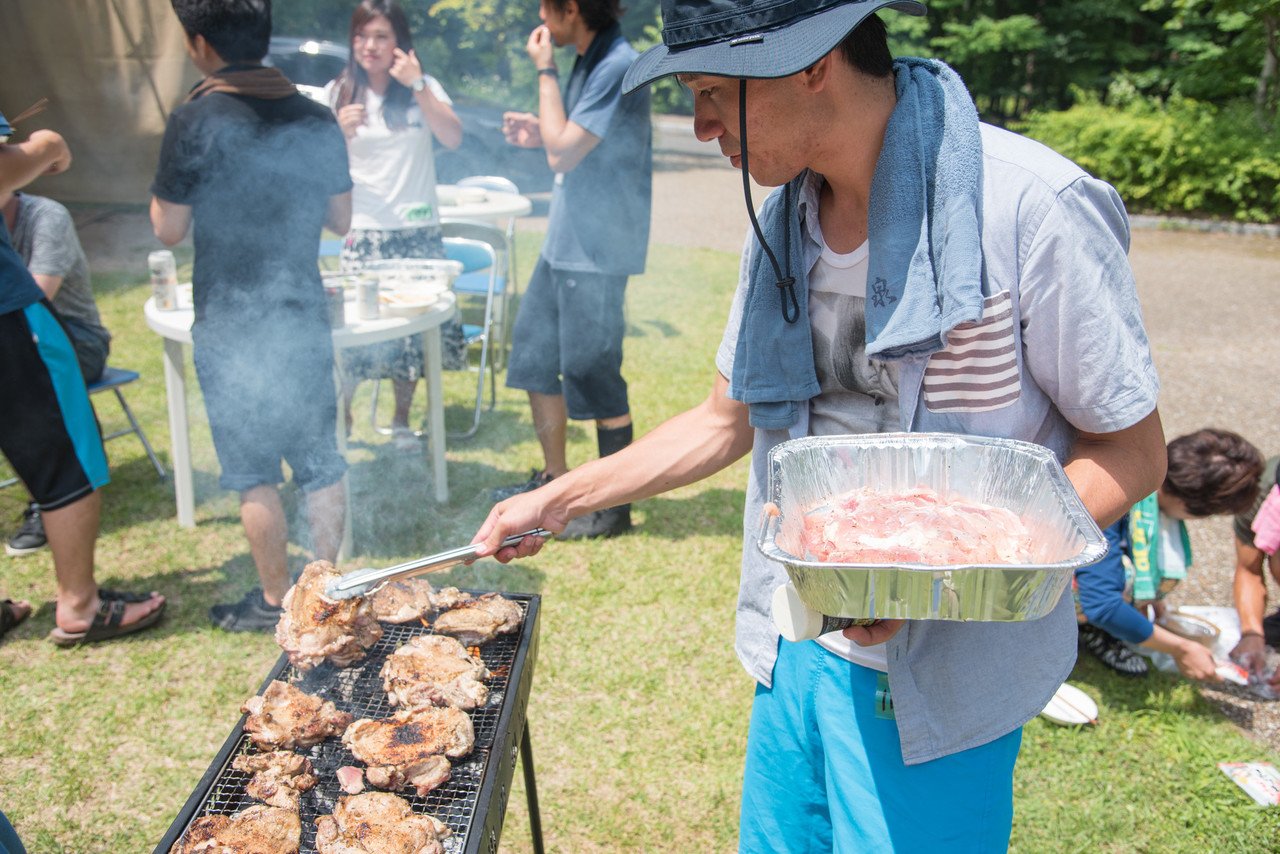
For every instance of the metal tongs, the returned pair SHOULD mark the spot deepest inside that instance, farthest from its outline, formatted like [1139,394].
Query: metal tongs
[364,582]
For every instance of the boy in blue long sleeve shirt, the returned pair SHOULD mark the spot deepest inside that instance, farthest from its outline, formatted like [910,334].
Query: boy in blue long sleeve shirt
[1211,472]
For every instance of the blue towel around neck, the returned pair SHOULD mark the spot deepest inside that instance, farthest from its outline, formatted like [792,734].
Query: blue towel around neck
[924,274]
[773,362]
[925,254]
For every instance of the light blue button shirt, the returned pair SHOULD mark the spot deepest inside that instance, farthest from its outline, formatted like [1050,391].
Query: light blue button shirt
[1057,240]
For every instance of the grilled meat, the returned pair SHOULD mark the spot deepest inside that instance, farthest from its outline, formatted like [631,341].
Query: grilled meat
[257,830]
[315,628]
[279,777]
[433,670]
[410,747]
[480,620]
[431,772]
[403,601]
[284,717]
[378,823]
[448,598]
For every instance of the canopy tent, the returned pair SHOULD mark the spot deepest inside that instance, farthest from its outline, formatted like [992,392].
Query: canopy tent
[112,70]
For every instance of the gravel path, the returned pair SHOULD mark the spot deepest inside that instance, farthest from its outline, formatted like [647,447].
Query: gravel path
[1211,302]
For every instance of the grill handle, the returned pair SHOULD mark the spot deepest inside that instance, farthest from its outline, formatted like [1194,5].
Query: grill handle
[362,582]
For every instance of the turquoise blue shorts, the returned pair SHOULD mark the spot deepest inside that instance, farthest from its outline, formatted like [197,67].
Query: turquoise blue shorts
[824,770]
[48,430]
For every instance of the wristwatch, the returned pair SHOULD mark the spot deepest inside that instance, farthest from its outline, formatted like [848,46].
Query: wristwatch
[419,84]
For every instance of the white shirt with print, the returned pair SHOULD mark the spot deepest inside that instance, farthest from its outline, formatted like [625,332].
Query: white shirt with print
[392,169]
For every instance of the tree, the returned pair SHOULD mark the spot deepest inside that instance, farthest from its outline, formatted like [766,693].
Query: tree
[1022,55]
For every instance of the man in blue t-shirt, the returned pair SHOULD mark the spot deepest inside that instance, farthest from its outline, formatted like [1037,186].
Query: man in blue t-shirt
[567,341]
[49,433]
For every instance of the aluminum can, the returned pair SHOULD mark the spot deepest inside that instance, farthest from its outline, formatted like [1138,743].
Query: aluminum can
[164,279]
[367,304]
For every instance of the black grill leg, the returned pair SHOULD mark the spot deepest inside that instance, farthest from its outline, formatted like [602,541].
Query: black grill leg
[531,790]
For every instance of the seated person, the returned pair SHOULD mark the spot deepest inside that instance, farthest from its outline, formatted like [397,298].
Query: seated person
[1253,548]
[49,433]
[45,238]
[1211,472]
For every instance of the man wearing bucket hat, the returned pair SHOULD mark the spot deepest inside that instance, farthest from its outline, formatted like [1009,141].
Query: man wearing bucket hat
[917,271]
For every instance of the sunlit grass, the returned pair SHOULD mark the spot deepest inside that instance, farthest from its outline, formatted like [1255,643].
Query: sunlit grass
[639,708]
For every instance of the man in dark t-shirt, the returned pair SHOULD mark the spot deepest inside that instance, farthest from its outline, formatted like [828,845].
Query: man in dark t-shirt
[256,170]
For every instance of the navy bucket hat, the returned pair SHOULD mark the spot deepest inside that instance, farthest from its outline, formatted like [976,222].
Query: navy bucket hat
[765,38]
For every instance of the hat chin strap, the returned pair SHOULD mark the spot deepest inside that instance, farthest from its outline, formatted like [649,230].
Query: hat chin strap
[786,284]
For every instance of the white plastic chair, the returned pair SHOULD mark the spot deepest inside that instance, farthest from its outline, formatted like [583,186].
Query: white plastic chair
[484,253]
[499,184]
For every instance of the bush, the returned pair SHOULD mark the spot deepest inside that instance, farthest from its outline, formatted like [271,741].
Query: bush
[1180,157]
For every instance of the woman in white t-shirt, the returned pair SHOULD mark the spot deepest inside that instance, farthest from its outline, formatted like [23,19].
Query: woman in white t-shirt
[389,111]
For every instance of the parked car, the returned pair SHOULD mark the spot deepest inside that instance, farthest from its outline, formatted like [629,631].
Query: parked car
[311,63]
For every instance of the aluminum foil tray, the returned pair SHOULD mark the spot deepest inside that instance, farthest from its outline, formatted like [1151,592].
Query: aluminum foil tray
[805,474]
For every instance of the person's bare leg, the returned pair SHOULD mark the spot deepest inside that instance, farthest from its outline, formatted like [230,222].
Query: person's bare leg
[268,532]
[403,392]
[348,394]
[326,513]
[72,532]
[550,422]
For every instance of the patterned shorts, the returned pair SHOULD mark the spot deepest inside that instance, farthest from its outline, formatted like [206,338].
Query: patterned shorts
[402,359]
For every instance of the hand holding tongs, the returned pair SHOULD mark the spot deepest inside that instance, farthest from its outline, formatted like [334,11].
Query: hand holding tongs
[363,582]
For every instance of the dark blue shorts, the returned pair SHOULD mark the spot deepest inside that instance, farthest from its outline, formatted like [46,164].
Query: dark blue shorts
[270,397]
[48,430]
[567,340]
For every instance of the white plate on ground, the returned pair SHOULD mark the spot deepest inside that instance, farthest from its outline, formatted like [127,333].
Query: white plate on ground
[1071,707]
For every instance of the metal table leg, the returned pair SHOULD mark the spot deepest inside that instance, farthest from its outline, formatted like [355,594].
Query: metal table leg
[531,789]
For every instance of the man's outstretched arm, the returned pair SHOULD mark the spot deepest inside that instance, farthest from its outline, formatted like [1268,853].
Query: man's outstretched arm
[682,450]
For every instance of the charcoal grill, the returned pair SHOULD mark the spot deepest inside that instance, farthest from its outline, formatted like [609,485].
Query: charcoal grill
[473,802]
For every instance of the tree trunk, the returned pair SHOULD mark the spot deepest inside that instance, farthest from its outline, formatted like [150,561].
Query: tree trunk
[1264,99]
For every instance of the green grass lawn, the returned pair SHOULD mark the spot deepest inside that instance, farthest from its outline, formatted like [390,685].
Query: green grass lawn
[639,710]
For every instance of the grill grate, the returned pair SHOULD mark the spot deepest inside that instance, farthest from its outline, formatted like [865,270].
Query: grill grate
[358,690]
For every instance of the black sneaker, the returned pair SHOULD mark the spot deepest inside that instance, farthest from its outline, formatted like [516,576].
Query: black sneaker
[537,477]
[1271,629]
[1112,651]
[600,524]
[250,614]
[30,537]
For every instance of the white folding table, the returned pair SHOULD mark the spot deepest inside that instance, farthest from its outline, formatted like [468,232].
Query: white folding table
[175,328]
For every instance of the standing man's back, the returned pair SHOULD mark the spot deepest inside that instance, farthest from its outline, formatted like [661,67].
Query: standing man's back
[258,170]
[258,173]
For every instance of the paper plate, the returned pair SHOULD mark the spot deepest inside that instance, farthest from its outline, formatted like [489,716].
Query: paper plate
[1071,707]
[411,298]
[1191,627]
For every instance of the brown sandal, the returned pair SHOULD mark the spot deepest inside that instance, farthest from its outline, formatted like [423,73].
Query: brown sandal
[106,625]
